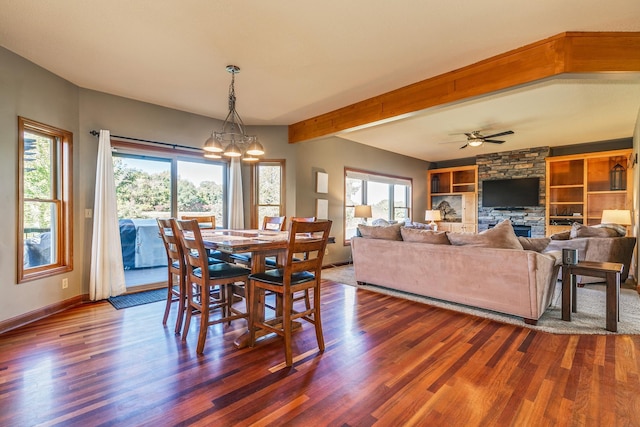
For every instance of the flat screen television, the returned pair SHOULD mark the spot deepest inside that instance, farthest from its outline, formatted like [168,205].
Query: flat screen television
[510,193]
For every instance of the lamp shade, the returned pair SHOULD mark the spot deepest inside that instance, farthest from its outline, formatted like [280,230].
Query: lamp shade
[432,215]
[616,216]
[363,211]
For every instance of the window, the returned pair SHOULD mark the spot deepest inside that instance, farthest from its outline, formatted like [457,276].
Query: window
[44,207]
[267,197]
[389,197]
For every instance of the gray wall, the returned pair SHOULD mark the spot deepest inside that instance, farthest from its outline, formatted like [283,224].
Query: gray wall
[332,155]
[30,91]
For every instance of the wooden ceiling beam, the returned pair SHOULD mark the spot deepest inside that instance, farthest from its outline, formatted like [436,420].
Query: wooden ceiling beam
[565,53]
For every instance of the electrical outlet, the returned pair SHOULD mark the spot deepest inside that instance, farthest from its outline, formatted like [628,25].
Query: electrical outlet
[88,213]
[326,251]
[65,283]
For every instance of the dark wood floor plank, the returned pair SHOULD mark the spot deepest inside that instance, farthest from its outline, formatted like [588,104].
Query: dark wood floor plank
[387,361]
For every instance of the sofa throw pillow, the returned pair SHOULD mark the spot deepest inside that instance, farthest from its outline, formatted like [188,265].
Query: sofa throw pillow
[580,230]
[380,222]
[620,229]
[390,232]
[537,244]
[424,236]
[562,235]
[501,236]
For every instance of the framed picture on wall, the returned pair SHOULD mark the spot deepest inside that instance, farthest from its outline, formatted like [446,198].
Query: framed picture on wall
[322,209]
[450,207]
[322,182]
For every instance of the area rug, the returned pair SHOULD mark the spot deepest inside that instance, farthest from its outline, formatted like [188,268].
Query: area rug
[138,298]
[590,318]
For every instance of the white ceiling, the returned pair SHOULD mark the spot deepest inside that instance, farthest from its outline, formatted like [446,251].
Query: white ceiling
[299,59]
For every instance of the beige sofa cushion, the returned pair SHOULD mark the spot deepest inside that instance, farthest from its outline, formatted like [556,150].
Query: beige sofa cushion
[424,236]
[389,232]
[537,244]
[501,236]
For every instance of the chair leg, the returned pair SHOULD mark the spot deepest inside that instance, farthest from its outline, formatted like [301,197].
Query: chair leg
[228,300]
[204,319]
[189,311]
[316,317]
[181,305]
[287,326]
[167,307]
[247,303]
[307,302]
[253,312]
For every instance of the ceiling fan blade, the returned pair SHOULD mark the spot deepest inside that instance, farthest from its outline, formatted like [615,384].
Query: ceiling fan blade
[464,146]
[508,132]
[495,141]
[468,135]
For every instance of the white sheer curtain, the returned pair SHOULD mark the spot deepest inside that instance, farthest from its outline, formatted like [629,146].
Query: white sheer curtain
[107,269]
[236,207]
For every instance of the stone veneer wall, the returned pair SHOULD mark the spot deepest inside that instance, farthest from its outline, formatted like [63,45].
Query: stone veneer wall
[513,164]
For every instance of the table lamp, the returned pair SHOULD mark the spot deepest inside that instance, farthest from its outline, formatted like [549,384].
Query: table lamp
[616,216]
[363,211]
[433,216]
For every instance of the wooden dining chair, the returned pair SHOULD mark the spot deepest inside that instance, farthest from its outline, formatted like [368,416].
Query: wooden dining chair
[210,287]
[274,223]
[207,221]
[175,268]
[270,223]
[295,276]
[203,220]
[305,294]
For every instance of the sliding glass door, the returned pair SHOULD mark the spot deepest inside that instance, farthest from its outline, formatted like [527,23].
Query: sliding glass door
[150,186]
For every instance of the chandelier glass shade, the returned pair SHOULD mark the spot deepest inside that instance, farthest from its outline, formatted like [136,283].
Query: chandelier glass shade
[232,140]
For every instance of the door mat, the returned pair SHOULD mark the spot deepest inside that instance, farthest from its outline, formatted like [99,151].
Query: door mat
[138,298]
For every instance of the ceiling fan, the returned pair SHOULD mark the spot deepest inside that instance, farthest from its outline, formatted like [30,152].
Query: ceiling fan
[475,139]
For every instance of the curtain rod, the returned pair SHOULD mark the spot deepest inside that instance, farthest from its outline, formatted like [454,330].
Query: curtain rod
[174,146]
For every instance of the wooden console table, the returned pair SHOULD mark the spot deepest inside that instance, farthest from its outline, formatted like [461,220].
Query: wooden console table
[610,271]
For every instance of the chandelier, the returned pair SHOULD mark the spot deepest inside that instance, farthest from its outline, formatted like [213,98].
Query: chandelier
[232,140]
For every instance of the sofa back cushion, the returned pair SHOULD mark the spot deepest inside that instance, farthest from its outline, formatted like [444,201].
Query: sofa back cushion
[389,232]
[424,236]
[580,230]
[501,236]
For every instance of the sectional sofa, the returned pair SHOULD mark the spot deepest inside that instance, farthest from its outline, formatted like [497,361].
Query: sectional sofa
[490,270]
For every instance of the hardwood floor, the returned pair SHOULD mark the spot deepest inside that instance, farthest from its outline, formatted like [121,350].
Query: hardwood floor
[387,362]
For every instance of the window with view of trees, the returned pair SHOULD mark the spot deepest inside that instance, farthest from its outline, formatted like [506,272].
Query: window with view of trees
[45,207]
[389,197]
[160,183]
[268,190]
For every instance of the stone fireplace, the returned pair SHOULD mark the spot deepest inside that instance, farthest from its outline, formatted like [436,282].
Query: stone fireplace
[514,164]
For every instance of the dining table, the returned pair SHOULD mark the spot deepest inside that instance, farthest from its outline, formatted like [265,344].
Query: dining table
[260,243]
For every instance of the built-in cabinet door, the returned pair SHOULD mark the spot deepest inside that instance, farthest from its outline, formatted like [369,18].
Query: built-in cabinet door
[469,213]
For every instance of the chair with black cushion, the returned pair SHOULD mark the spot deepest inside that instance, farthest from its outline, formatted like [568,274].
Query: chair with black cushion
[270,223]
[296,275]
[211,288]
[207,221]
[175,268]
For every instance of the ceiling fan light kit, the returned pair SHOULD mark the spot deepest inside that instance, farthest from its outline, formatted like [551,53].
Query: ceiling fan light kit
[476,139]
